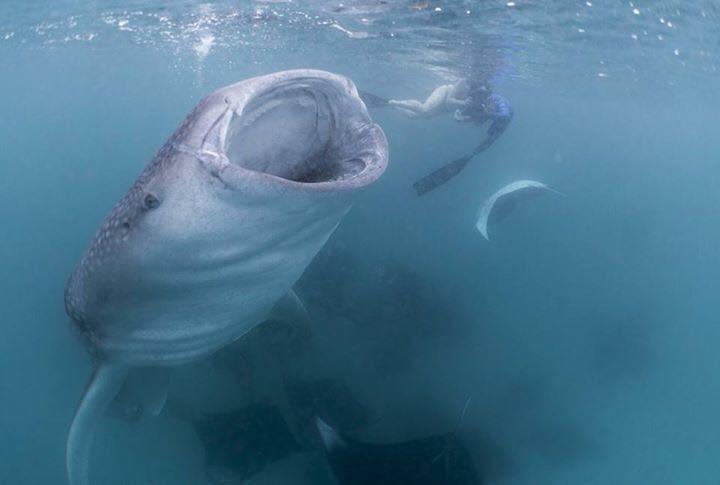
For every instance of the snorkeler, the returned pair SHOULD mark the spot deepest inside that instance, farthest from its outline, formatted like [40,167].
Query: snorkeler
[470,102]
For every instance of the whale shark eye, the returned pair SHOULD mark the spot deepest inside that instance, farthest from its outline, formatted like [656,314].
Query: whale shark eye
[151,201]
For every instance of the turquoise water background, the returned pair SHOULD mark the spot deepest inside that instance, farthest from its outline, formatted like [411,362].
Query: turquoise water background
[585,333]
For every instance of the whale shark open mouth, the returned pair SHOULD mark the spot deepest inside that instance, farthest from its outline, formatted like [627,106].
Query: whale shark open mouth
[300,132]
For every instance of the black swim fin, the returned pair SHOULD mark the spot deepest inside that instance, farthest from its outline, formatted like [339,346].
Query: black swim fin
[373,100]
[441,175]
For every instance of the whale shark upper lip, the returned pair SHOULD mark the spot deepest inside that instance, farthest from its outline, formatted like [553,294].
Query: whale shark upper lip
[236,177]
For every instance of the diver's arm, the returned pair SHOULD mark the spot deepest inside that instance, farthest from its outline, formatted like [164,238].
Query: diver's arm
[435,103]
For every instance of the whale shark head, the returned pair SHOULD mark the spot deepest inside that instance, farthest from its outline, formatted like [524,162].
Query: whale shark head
[225,218]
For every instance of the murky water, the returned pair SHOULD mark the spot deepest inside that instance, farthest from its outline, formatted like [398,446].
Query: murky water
[576,345]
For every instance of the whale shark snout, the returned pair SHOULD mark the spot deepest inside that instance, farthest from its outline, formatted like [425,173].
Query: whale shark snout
[217,228]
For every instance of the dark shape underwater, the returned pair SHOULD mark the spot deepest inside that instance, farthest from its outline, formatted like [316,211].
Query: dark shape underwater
[241,443]
[436,460]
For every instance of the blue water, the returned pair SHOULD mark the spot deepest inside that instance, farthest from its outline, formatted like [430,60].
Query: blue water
[581,339]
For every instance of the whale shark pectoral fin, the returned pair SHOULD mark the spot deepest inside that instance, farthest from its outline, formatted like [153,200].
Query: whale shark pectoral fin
[291,309]
[105,383]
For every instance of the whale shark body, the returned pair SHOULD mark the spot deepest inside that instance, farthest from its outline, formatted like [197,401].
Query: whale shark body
[216,229]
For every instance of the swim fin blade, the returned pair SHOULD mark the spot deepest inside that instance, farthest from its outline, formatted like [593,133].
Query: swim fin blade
[440,176]
[373,100]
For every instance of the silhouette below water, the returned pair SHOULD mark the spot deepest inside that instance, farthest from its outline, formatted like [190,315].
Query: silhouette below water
[436,460]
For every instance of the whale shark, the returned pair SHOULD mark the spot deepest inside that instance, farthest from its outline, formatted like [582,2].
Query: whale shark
[217,229]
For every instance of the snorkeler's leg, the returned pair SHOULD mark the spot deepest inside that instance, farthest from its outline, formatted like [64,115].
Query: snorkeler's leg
[434,104]
[409,113]
[407,105]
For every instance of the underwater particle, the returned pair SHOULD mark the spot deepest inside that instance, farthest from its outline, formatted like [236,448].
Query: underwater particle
[84,37]
[677,52]
[602,74]
[589,4]
[636,11]
[634,36]
[419,5]
[582,31]
[9,35]
[662,20]
[660,37]
[350,33]
[203,46]
[511,4]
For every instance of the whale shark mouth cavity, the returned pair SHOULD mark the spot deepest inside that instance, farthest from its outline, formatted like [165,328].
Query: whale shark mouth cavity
[294,132]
